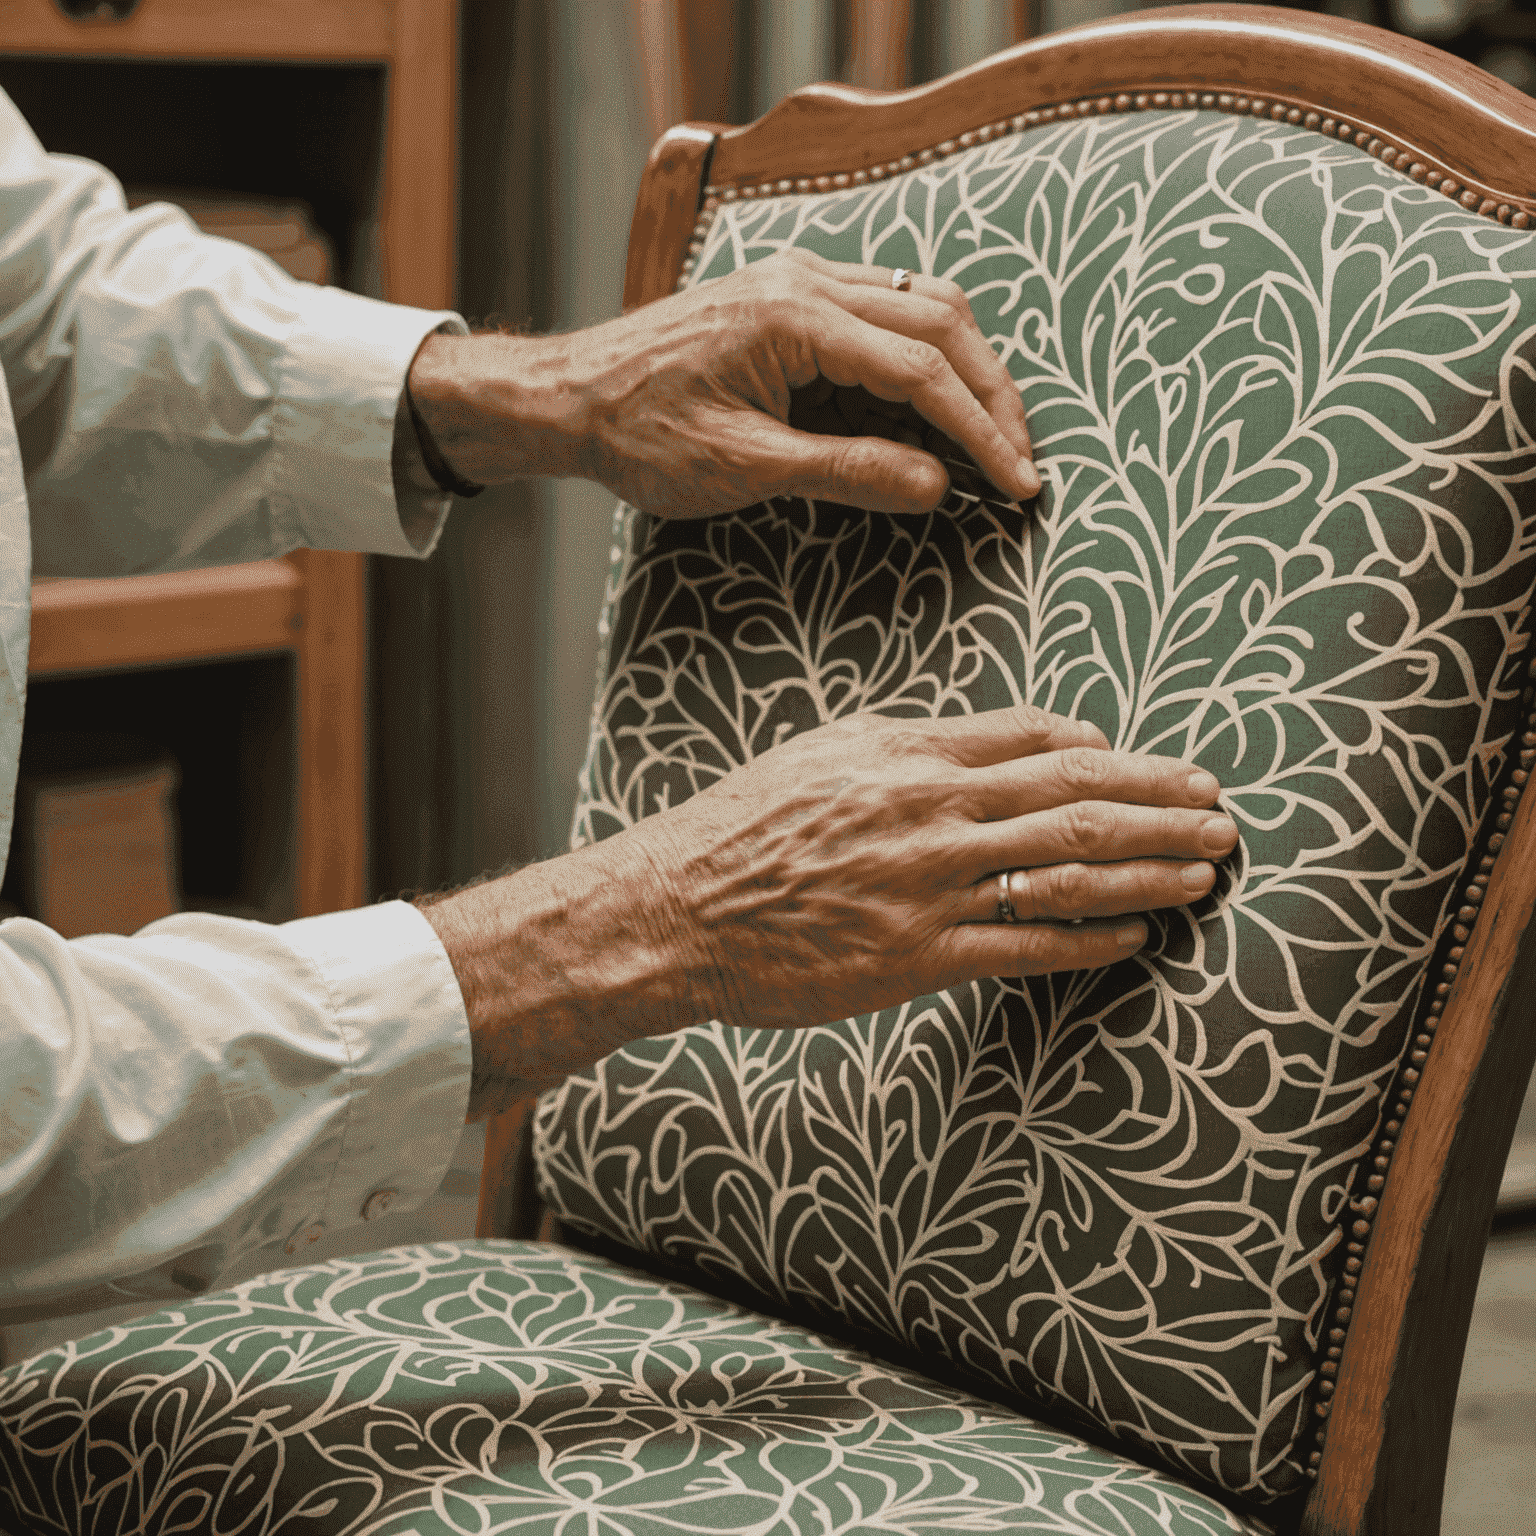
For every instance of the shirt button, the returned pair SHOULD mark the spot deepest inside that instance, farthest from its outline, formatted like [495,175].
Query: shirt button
[378,1203]
[306,1235]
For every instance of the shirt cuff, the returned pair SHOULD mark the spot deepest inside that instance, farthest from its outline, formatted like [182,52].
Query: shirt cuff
[400,1014]
[342,378]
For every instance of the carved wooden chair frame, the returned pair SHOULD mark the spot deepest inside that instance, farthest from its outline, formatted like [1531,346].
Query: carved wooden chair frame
[1416,1235]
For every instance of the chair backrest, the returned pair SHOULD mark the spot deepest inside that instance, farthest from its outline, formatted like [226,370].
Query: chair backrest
[1266,283]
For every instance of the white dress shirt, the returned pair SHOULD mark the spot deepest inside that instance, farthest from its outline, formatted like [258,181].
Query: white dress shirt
[172,1101]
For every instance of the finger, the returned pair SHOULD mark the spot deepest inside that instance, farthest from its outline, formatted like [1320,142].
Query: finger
[849,350]
[982,369]
[868,472]
[1068,892]
[1034,949]
[1076,772]
[1015,732]
[1098,832]
[944,320]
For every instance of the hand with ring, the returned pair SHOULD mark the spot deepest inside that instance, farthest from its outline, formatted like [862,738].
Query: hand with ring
[794,376]
[851,868]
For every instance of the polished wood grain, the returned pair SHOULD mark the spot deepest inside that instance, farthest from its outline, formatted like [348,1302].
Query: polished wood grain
[1453,113]
[135,621]
[1389,1426]
[665,211]
[332,766]
[1382,1470]
[1434,109]
[209,29]
[418,197]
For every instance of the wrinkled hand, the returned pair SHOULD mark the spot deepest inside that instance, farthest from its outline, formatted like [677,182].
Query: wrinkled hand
[712,400]
[846,870]
[854,867]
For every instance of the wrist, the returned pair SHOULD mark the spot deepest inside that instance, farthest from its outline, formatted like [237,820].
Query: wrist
[493,408]
[564,962]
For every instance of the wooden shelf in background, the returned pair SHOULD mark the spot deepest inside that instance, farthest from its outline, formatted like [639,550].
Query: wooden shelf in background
[312,604]
[80,625]
[207,29]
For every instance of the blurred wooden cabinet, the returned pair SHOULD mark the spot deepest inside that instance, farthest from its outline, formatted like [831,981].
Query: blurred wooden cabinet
[255,673]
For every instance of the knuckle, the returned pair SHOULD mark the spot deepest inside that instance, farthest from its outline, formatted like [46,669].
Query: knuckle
[780,281]
[953,295]
[923,361]
[789,265]
[902,738]
[1068,889]
[1089,827]
[1086,770]
[1035,724]
[849,461]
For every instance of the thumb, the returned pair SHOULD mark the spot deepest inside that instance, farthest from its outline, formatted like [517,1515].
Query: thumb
[868,472]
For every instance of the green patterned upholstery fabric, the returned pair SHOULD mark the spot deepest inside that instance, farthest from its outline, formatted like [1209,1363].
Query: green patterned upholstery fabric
[1282,400]
[517,1387]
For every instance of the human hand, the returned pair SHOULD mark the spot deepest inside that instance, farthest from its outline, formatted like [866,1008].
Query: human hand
[713,399]
[849,869]
[855,866]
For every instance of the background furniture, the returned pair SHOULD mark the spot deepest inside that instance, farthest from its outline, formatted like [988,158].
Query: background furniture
[349,106]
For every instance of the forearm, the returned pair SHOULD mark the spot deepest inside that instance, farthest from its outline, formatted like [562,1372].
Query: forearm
[563,962]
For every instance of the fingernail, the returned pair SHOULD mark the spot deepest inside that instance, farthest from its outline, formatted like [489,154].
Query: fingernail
[1131,935]
[1196,877]
[1029,479]
[1203,786]
[1218,833]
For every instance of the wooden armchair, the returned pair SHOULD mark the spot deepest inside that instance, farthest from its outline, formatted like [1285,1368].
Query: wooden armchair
[1388,1338]
[1185,1246]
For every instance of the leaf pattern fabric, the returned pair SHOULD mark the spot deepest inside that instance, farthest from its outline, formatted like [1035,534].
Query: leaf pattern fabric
[1282,403]
[493,1387]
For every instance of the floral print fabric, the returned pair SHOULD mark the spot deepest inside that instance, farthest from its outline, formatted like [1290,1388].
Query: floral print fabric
[518,1388]
[1282,402]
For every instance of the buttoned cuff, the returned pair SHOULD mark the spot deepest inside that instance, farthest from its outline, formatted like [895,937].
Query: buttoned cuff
[400,1014]
[342,378]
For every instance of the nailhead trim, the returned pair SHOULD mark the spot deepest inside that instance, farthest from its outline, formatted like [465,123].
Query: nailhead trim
[1361,1209]
[1409,162]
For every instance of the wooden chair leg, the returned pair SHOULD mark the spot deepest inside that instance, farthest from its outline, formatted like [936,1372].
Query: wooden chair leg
[509,1203]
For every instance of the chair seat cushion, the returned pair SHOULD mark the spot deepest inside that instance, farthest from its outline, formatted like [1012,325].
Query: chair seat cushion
[493,1386]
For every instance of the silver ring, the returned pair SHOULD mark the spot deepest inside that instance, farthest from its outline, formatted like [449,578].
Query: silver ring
[1005,912]
[901,280]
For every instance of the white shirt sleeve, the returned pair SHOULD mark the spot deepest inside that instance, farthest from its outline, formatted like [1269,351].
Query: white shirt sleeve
[180,399]
[175,1100]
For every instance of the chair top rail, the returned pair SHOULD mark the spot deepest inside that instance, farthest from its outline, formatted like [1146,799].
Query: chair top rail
[1450,115]
[1434,117]
[1388,1405]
